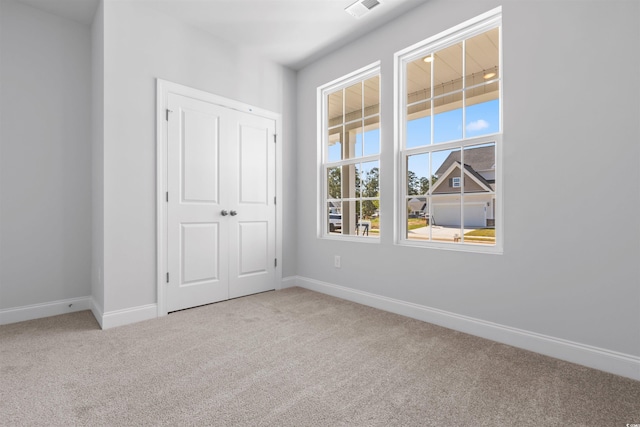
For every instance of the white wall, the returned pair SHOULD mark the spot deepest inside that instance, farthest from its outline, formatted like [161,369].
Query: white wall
[45,161]
[570,108]
[141,45]
[97,159]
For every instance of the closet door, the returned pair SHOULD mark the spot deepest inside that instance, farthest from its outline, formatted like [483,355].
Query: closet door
[221,207]
[252,190]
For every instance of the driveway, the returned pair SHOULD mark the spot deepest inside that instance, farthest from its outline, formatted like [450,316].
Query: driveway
[437,232]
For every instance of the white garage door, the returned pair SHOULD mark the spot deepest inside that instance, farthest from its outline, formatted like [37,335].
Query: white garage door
[449,215]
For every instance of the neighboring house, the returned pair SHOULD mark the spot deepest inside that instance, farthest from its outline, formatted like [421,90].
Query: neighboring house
[417,206]
[479,189]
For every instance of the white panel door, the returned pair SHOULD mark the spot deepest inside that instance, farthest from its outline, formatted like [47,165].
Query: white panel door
[196,229]
[221,213]
[252,234]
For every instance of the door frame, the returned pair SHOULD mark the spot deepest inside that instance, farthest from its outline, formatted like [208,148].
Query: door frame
[163,89]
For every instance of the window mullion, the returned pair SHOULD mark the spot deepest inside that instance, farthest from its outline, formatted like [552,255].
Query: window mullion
[464,136]
[462,176]
[464,89]
[431,95]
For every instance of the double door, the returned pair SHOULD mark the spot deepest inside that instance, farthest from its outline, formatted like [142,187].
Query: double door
[221,204]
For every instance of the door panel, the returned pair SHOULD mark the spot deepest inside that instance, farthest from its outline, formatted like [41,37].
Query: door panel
[200,250]
[252,239]
[253,248]
[196,230]
[253,162]
[200,151]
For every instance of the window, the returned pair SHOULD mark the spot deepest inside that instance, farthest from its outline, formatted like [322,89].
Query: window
[449,138]
[349,115]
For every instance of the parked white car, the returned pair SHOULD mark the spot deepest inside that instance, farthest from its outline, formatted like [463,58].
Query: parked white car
[335,222]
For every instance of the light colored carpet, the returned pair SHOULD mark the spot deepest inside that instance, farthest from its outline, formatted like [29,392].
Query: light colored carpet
[291,358]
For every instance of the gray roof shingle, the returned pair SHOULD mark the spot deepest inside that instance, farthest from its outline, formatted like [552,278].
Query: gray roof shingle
[479,159]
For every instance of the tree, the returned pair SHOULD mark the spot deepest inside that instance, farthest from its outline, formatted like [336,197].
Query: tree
[424,185]
[413,184]
[371,188]
[334,179]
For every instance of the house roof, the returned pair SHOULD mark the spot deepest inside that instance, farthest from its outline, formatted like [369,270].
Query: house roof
[478,159]
[478,176]
[469,171]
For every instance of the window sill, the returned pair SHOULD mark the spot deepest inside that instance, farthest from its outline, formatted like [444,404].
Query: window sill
[351,238]
[457,247]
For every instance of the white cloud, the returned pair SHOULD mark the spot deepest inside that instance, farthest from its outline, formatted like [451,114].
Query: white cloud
[477,125]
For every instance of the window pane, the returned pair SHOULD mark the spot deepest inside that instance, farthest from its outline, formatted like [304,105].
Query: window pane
[479,194]
[446,218]
[418,174]
[482,57]
[372,96]
[334,150]
[447,123]
[360,176]
[335,112]
[418,126]
[446,164]
[419,80]
[348,181]
[350,213]
[334,183]
[482,110]
[372,223]
[353,102]
[372,136]
[353,140]
[480,163]
[370,179]
[334,218]
[447,69]
[417,219]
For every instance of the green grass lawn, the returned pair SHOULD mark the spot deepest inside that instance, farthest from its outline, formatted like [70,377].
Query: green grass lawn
[412,223]
[482,232]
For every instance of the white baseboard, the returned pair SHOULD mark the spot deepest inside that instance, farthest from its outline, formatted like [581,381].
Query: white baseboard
[97,312]
[112,319]
[37,311]
[614,362]
[107,320]
[288,282]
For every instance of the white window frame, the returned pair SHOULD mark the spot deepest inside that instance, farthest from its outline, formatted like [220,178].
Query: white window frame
[323,91]
[464,31]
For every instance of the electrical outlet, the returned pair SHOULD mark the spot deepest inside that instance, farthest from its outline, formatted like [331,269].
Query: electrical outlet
[336,261]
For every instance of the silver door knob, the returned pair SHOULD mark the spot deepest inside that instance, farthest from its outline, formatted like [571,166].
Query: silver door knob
[233,213]
[224,213]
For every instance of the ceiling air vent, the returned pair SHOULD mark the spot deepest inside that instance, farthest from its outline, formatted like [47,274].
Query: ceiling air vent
[361,7]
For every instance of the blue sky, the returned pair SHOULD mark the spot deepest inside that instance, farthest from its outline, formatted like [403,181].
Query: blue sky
[482,119]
